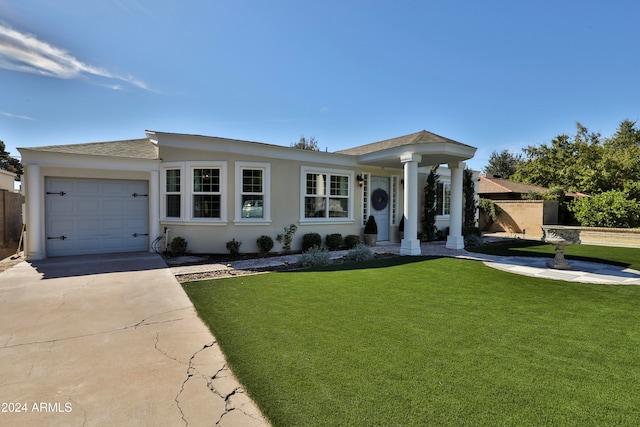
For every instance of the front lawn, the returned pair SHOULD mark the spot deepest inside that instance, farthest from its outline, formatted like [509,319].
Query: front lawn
[428,341]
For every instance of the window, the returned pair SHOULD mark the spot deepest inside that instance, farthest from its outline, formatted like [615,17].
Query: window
[443,199]
[327,194]
[365,198]
[207,198]
[252,191]
[194,191]
[172,193]
[394,199]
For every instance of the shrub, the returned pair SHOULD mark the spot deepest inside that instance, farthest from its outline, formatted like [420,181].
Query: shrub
[286,238]
[178,246]
[488,206]
[310,240]
[315,257]
[265,244]
[352,240]
[233,246]
[371,227]
[360,253]
[609,209]
[334,241]
[473,240]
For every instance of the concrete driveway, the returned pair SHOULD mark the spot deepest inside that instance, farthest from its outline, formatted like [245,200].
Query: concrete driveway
[110,340]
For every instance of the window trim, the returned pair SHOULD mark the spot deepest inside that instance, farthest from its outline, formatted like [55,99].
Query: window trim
[186,192]
[222,166]
[266,192]
[163,187]
[304,170]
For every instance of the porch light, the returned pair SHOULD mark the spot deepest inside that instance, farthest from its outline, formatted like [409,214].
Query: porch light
[360,180]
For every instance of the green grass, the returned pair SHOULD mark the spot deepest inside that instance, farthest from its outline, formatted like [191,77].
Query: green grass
[628,257]
[428,341]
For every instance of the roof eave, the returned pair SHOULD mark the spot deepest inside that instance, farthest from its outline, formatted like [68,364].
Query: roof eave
[432,154]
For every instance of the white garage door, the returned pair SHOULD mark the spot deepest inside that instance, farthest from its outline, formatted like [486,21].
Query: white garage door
[93,216]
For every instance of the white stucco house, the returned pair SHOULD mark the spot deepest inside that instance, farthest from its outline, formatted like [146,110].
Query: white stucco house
[121,196]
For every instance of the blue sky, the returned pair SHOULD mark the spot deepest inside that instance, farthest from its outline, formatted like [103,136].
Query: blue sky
[492,74]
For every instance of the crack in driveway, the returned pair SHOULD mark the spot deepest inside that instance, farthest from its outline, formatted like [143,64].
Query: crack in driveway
[225,391]
[143,322]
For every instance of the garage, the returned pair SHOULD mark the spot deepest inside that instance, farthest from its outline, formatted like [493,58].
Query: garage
[94,216]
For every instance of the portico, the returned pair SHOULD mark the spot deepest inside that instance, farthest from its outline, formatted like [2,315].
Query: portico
[413,151]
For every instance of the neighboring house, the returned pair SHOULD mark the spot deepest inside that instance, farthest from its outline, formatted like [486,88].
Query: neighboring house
[496,188]
[518,215]
[122,196]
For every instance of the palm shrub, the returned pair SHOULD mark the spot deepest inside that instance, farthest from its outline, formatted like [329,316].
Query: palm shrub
[310,240]
[233,246]
[287,238]
[265,244]
[333,241]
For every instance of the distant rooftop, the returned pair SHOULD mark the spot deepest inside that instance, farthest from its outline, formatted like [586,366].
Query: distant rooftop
[494,185]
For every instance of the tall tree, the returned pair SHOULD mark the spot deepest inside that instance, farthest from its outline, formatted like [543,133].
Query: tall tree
[470,207]
[430,205]
[9,163]
[620,163]
[566,162]
[306,144]
[503,164]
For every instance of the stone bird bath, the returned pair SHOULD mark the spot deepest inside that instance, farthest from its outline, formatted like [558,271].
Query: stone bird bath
[560,236]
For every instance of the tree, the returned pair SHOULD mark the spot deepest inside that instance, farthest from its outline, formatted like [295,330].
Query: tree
[430,205]
[468,190]
[607,169]
[611,208]
[620,162]
[503,164]
[570,163]
[306,144]
[9,163]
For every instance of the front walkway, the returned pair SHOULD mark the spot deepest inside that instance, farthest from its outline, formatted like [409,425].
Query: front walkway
[583,272]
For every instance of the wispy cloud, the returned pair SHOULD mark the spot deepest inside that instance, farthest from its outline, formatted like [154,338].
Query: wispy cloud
[16,116]
[24,53]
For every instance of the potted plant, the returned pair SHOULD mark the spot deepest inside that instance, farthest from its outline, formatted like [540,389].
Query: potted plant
[370,231]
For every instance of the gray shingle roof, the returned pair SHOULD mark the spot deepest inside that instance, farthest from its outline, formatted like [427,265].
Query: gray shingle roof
[132,148]
[422,137]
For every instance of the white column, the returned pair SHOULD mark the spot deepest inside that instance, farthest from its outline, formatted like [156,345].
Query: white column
[154,207]
[410,245]
[34,244]
[455,239]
